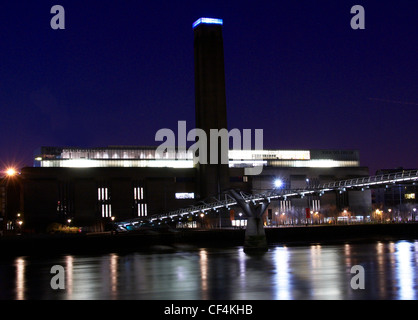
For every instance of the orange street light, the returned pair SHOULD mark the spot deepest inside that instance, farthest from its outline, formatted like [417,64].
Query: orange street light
[11,172]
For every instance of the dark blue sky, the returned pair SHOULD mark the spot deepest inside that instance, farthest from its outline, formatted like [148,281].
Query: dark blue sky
[122,70]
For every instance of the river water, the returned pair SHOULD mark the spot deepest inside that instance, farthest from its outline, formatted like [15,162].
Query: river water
[283,273]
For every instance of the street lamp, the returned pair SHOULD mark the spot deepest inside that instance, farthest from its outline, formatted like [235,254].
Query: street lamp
[379,213]
[20,222]
[10,172]
[7,180]
[202,215]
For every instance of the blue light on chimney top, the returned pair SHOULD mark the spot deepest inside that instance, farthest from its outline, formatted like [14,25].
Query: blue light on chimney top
[207,21]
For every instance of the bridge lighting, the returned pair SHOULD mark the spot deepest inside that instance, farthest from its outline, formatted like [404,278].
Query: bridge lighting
[278,183]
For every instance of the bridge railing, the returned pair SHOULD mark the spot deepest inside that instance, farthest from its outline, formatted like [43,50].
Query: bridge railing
[379,179]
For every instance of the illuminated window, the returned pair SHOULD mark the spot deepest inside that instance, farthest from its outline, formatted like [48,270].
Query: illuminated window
[239,223]
[184,195]
[142,210]
[140,205]
[410,196]
[138,193]
[103,198]
[106,210]
[102,194]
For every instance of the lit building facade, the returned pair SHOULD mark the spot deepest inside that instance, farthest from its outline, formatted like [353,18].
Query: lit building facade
[90,186]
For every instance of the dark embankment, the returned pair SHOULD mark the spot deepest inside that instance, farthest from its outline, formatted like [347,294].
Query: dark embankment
[166,241]
[343,233]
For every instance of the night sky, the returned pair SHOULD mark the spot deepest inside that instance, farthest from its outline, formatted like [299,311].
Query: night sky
[122,70]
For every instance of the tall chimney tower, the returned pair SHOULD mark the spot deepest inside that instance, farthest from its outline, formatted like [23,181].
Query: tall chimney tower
[210,100]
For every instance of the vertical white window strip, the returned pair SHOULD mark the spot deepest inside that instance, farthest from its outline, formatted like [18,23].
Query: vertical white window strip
[142,193]
[110,210]
[135,197]
[145,210]
[103,211]
[98,194]
[142,209]
[106,198]
[139,210]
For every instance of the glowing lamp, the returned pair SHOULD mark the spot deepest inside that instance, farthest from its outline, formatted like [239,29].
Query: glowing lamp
[278,183]
[11,172]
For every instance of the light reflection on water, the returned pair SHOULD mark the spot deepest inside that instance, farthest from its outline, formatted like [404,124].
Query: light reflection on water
[283,273]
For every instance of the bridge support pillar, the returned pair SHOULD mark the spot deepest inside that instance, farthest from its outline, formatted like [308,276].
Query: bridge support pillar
[255,236]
